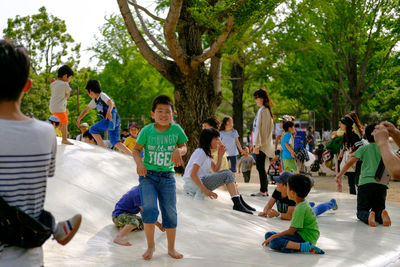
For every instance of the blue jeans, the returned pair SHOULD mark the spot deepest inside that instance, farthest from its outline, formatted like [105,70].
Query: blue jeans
[280,243]
[321,208]
[232,160]
[161,186]
[104,125]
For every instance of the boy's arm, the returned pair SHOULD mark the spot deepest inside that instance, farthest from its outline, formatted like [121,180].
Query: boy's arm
[140,168]
[288,232]
[270,204]
[240,165]
[110,107]
[290,150]
[177,154]
[83,114]
[288,215]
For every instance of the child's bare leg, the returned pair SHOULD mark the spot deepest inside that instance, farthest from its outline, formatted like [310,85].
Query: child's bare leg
[232,189]
[98,139]
[385,218]
[123,148]
[119,239]
[151,246]
[158,224]
[64,130]
[171,233]
[371,219]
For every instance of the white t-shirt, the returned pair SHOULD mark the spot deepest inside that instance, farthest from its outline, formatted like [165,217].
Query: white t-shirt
[27,159]
[200,158]
[58,100]
[229,141]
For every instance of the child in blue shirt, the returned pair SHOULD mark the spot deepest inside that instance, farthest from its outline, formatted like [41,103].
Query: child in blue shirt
[288,154]
[107,110]
[164,144]
[125,218]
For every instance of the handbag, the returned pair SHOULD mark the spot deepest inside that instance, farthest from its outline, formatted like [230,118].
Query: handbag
[22,230]
[346,156]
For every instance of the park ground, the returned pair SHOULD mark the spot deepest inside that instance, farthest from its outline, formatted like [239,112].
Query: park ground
[328,183]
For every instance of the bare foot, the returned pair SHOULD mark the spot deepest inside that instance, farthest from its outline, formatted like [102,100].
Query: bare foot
[66,142]
[148,254]
[175,254]
[122,242]
[385,218]
[371,219]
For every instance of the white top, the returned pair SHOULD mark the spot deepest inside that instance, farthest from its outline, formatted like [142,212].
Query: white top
[229,141]
[255,128]
[27,158]
[200,158]
[103,96]
[58,100]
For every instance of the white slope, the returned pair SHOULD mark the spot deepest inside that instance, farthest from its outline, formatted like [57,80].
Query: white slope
[90,180]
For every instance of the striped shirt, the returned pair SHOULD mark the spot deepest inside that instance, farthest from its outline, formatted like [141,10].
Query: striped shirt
[27,158]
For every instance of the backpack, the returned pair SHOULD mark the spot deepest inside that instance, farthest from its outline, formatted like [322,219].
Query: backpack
[22,230]
[299,140]
[335,144]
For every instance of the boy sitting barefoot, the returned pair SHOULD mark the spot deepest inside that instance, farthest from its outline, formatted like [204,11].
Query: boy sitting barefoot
[303,232]
[125,218]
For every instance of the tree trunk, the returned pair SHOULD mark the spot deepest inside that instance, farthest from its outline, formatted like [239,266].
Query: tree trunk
[195,100]
[237,80]
[335,108]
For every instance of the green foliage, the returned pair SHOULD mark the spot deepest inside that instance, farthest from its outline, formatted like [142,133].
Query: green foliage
[127,78]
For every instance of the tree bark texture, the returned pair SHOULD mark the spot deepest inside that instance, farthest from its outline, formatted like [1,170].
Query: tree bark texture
[237,81]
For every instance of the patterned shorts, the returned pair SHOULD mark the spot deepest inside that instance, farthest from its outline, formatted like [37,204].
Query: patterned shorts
[128,218]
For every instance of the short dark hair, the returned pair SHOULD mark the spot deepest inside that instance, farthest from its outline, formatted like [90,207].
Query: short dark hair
[14,70]
[368,132]
[212,121]
[287,125]
[125,130]
[301,184]
[88,135]
[94,86]
[65,69]
[162,99]
[206,136]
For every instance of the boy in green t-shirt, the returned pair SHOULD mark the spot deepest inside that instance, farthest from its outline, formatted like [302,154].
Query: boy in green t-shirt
[303,232]
[371,196]
[164,144]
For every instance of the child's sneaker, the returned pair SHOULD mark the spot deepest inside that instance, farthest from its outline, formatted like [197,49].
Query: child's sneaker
[310,248]
[336,205]
[66,230]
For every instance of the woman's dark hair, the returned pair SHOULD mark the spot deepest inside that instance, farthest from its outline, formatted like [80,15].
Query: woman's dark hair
[212,121]
[162,99]
[14,70]
[346,120]
[223,123]
[267,102]
[94,86]
[300,184]
[368,132]
[356,120]
[206,136]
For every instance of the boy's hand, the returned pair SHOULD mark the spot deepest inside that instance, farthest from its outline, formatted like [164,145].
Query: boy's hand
[272,213]
[338,181]
[108,115]
[263,214]
[141,169]
[221,150]
[176,157]
[381,133]
[78,122]
[266,242]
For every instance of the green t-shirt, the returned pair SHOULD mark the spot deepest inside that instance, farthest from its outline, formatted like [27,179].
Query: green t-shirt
[370,156]
[305,222]
[158,146]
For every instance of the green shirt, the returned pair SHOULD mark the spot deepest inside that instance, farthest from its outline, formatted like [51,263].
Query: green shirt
[305,222]
[370,156]
[158,146]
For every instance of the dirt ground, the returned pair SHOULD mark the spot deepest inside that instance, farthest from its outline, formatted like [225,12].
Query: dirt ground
[328,183]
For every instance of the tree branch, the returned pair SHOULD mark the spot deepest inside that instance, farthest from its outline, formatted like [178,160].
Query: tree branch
[133,3]
[214,47]
[161,64]
[149,35]
[371,95]
[170,25]
[380,67]
[215,72]
[342,85]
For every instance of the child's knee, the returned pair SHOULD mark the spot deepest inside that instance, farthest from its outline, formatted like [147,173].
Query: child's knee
[269,234]
[149,214]
[277,244]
